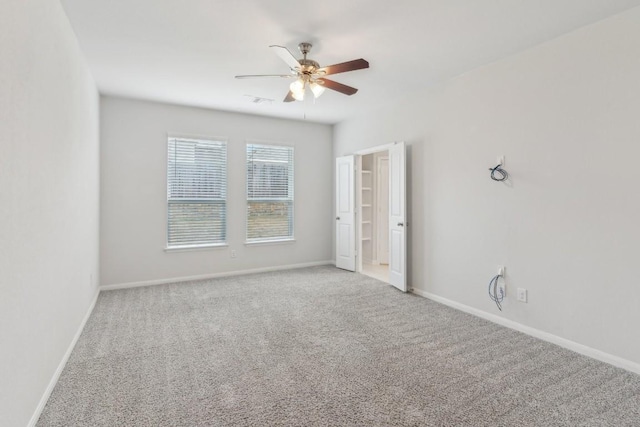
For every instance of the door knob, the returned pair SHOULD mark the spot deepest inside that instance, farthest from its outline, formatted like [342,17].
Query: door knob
[400,224]
[337,218]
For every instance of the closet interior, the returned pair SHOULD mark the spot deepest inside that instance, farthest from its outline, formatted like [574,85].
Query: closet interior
[374,215]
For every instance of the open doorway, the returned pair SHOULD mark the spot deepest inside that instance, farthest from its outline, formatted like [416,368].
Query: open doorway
[374,214]
[370,221]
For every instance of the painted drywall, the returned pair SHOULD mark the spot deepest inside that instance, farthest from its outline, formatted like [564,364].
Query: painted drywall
[565,116]
[134,191]
[49,200]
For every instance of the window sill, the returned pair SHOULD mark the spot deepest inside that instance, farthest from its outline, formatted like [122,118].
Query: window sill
[196,247]
[270,242]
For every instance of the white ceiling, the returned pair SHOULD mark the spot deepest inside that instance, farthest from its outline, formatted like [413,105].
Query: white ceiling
[188,51]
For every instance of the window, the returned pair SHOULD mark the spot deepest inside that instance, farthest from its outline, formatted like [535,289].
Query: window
[269,193]
[196,192]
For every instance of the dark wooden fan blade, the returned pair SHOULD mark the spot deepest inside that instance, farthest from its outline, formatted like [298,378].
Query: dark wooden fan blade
[251,76]
[289,97]
[286,56]
[338,87]
[356,64]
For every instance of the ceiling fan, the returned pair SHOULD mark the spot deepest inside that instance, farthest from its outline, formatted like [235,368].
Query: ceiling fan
[309,74]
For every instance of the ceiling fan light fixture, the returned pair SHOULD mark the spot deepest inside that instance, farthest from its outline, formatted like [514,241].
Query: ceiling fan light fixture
[308,72]
[317,89]
[297,90]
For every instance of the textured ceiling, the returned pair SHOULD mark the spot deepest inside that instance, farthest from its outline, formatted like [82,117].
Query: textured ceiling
[187,52]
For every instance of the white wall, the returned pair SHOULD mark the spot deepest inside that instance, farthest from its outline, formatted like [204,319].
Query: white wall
[567,226]
[48,199]
[133,191]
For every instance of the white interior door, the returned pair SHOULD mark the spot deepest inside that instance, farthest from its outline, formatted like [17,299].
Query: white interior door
[345,214]
[397,217]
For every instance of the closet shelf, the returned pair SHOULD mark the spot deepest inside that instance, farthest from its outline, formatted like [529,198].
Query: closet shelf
[366,206]
[365,239]
[366,188]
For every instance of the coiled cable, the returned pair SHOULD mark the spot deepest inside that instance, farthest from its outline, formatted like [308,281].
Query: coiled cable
[498,174]
[493,291]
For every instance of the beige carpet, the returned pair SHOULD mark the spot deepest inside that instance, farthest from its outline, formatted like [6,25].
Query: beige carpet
[321,347]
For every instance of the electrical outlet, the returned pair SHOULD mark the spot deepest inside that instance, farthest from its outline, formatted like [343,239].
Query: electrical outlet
[233,253]
[502,287]
[522,295]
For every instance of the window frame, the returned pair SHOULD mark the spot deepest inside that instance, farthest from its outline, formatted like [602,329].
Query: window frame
[270,240]
[197,246]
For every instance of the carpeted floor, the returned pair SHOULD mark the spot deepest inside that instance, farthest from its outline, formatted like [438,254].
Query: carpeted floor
[321,347]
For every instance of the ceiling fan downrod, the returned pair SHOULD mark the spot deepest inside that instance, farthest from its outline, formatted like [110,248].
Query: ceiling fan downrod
[307,66]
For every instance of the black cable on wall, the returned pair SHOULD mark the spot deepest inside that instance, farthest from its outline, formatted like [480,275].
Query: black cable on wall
[495,293]
[498,174]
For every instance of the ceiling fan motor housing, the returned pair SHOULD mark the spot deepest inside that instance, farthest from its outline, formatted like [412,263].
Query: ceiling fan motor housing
[308,66]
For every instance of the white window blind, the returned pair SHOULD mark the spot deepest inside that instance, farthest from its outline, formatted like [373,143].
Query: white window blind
[196,192]
[269,193]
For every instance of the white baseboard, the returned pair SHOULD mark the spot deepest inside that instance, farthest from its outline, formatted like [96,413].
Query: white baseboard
[545,336]
[212,275]
[63,362]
